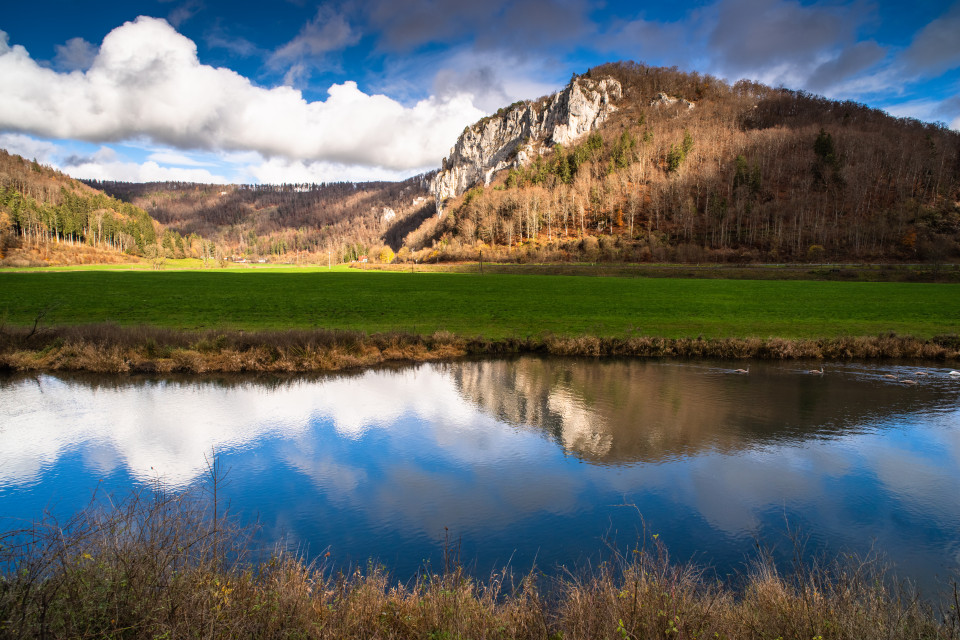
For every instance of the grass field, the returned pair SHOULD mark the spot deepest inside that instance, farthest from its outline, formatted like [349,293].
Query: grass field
[494,306]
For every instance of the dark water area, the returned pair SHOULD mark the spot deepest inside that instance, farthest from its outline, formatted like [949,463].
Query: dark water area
[522,461]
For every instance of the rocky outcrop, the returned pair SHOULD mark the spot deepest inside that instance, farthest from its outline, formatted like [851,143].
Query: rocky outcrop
[511,136]
[663,100]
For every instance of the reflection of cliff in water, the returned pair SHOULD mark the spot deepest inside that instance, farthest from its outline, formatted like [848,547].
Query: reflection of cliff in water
[626,411]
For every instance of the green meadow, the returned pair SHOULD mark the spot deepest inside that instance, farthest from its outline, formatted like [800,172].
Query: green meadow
[493,306]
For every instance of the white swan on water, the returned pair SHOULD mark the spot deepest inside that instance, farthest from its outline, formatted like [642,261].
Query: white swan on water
[954,374]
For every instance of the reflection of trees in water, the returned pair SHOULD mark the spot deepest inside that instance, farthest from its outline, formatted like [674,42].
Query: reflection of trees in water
[253,380]
[623,411]
[537,393]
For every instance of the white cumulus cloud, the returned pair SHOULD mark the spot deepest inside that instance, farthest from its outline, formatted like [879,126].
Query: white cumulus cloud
[279,170]
[172,157]
[106,165]
[27,147]
[147,82]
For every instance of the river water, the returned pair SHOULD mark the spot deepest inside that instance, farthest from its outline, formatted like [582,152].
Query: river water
[521,461]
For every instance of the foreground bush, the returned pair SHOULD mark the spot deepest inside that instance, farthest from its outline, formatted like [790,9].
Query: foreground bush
[161,566]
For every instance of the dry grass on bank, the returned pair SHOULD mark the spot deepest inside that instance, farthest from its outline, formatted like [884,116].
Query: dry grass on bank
[160,566]
[107,348]
[49,254]
[113,349]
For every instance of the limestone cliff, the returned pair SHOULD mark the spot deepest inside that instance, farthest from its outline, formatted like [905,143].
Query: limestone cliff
[508,138]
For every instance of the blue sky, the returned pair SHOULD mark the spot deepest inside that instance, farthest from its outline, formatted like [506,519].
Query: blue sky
[296,91]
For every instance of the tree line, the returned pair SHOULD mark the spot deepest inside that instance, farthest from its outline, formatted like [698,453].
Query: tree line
[40,205]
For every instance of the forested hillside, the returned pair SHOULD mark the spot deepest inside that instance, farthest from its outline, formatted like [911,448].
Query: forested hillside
[690,168]
[683,167]
[290,222]
[46,216]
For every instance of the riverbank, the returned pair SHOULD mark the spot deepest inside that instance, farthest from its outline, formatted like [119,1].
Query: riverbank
[106,348]
[156,565]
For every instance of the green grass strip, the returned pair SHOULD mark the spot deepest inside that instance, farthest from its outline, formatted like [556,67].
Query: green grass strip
[494,306]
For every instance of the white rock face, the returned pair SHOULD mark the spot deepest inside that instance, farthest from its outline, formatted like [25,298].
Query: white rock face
[512,136]
[663,100]
[387,214]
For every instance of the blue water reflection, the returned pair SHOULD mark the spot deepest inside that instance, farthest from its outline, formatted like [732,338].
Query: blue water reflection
[520,460]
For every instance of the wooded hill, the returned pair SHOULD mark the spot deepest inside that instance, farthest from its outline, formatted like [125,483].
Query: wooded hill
[289,222]
[750,173]
[43,211]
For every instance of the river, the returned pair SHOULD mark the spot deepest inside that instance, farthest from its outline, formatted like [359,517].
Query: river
[521,461]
